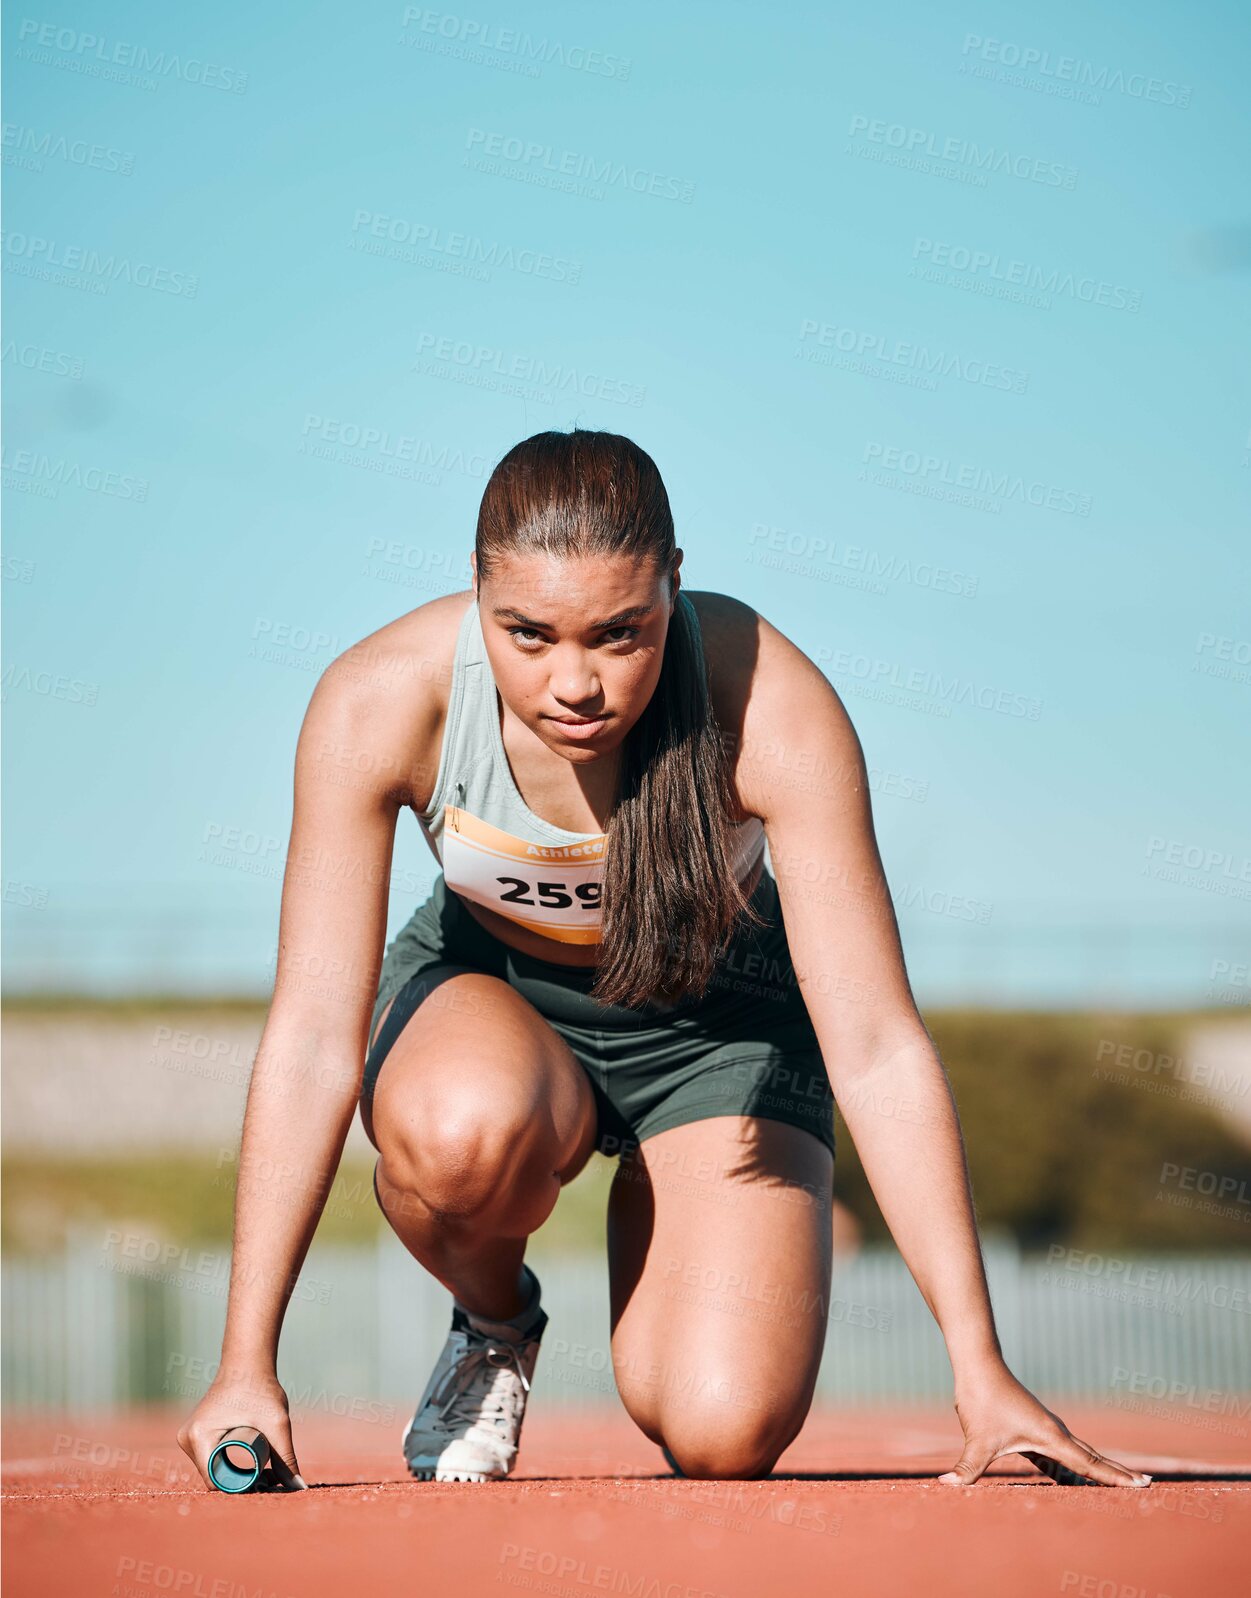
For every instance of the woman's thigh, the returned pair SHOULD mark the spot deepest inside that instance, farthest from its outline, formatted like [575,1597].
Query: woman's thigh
[720,1243]
[476,1062]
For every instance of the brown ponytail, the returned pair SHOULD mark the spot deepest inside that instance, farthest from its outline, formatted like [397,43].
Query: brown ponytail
[671,901]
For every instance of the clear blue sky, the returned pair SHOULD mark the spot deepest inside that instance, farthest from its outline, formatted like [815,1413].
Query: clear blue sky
[864,285]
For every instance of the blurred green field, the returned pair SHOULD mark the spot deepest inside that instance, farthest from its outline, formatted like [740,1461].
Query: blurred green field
[191,1200]
[1064,1146]
[179,1196]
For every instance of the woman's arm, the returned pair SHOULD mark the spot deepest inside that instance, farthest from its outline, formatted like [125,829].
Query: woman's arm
[800,767]
[307,1074]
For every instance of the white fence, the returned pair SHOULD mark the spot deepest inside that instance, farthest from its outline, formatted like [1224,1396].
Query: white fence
[86,1329]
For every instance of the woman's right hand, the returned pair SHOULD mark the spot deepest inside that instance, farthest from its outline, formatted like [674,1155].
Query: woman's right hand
[244,1397]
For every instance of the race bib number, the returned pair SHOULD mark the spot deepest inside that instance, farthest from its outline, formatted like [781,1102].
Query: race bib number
[554,889]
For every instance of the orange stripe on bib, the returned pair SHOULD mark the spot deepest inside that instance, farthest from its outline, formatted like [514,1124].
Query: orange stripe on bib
[554,889]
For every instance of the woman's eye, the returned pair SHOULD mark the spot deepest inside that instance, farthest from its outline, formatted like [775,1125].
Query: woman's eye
[532,636]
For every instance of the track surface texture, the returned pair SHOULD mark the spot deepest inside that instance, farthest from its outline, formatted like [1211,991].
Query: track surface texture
[108,1505]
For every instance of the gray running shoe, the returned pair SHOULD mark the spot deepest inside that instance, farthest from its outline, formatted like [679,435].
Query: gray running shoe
[467,1426]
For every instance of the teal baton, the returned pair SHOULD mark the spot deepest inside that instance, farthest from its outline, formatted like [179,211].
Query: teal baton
[242,1462]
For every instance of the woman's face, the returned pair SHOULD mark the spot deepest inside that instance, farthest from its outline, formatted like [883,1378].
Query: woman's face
[576,640]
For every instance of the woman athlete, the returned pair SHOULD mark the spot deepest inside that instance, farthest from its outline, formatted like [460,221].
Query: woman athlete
[597,758]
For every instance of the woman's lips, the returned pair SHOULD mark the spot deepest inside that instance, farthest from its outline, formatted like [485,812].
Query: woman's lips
[580,731]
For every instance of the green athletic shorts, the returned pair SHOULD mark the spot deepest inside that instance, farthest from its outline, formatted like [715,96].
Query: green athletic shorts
[747,1047]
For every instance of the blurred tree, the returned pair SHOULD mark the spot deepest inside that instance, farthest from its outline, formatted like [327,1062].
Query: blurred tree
[1066,1146]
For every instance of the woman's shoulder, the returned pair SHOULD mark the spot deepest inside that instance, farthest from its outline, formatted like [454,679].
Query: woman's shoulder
[416,649]
[739,645]
[393,688]
[743,647]
[755,672]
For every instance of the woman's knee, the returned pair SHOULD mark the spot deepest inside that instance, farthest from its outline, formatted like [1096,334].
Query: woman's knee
[726,1442]
[466,1146]
[715,1420]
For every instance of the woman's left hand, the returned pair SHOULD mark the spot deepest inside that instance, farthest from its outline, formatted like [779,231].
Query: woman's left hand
[1000,1416]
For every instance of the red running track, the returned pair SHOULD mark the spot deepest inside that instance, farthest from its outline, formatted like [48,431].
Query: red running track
[108,1505]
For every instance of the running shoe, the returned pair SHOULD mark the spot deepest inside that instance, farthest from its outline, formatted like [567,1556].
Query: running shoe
[467,1426]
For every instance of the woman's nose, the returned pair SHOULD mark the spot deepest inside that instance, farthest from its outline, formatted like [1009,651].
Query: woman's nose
[575,683]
